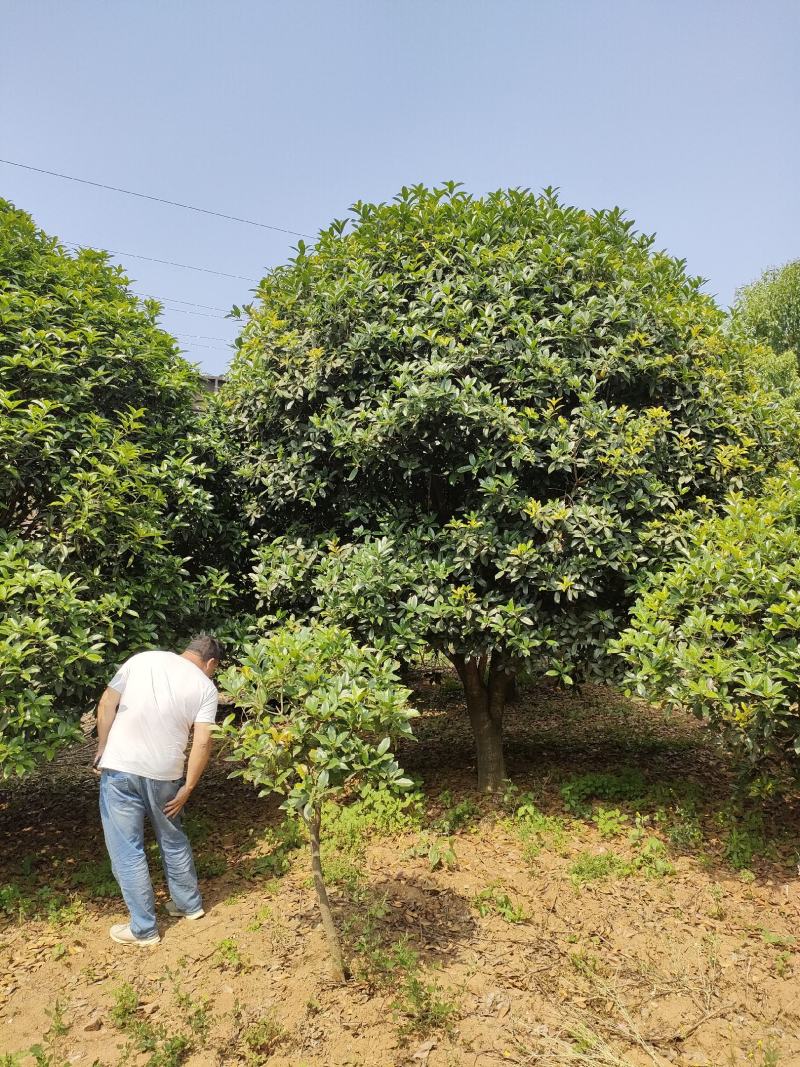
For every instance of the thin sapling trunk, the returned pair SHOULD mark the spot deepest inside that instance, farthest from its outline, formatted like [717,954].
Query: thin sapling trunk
[337,963]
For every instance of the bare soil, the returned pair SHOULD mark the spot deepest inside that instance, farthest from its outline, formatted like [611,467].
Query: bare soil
[694,963]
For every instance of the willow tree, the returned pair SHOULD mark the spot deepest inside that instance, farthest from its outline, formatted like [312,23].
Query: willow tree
[459,422]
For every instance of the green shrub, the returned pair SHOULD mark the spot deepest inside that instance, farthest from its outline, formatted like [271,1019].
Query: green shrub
[321,714]
[719,631]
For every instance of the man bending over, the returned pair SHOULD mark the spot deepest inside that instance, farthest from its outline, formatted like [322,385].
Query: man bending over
[143,723]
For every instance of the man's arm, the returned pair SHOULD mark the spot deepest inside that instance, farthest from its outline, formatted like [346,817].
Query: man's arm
[198,760]
[106,713]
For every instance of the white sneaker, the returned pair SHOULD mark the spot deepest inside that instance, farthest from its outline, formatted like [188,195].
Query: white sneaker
[122,934]
[173,911]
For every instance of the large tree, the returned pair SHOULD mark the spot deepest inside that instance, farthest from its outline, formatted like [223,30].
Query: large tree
[104,506]
[464,421]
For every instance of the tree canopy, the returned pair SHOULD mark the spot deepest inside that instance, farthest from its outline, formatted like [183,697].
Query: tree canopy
[770,308]
[463,421]
[103,502]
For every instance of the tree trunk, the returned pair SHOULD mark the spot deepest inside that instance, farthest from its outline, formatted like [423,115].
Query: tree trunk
[485,685]
[337,964]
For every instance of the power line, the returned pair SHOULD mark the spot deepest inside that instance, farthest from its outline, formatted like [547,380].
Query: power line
[157,199]
[208,348]
[203,337]
[191,303]
[166,262]
[185,311]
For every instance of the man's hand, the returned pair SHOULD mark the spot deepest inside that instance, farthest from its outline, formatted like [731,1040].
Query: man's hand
[174,807]
[95,769]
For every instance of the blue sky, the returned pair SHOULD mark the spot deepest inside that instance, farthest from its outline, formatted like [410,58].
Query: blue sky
[684,112]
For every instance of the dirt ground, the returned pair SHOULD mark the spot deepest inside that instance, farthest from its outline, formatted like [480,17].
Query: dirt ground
[616,908]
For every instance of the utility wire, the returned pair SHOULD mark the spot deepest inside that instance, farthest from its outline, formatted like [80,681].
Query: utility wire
[166,262]
[157,199]
[175,300]
[204,337]
[185,311]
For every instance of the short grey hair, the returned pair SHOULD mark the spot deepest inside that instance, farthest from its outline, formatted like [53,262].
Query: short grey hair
[206,647]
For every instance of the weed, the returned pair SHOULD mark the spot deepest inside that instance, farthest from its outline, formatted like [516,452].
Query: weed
[580,790]
[683,827]
[783,964]
[228,957]
[261,1038]
[10,1059]
[197,827]
[20,902]
[584,962]
[170,1050]
[770,938]
[59,951]
[211,864]
[283,840]
[95,879]
[745,838]
[652,860]
[58,1025]
[263,916]
[423,1007]
[342,870]
[455,816]
[610,822]
[43,1058]
[438,851]
[591,867]
[376,812]
[125,1006]
[535,829]
[196,1014]
[764,1055]
[382,966]
[491,901]
[717,909]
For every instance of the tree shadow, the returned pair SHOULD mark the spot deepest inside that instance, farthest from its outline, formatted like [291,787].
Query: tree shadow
[413,912]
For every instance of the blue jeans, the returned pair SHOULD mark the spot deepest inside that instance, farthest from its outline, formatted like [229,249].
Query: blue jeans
[125,799]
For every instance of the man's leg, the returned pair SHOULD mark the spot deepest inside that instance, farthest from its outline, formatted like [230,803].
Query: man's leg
[176,852]
[122,811]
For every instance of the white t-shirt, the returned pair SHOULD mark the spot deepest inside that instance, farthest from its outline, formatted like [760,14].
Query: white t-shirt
[163,695]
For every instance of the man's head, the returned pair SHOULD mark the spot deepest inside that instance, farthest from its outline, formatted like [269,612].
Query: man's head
[206,652]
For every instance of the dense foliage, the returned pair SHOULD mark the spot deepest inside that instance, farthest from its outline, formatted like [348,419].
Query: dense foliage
[718,631]
[770,308]
[457,420]
[103,503]
[319,713]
